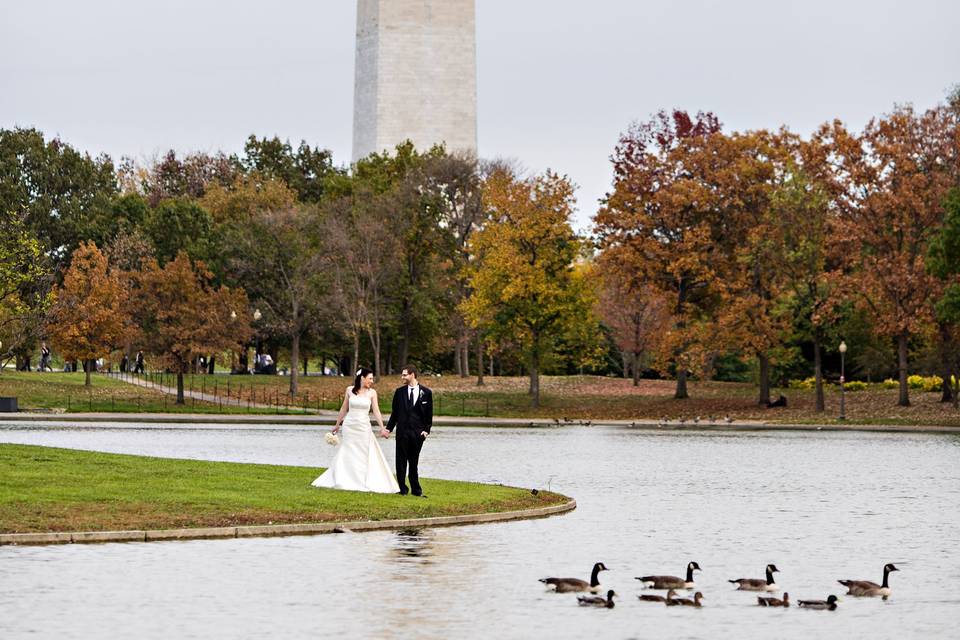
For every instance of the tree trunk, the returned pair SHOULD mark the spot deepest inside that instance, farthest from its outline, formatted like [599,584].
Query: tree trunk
[764,398]
[818,371]
[535,377]
[356,354]
[294,359]
[635,368]
[681,391]
[404,352]
[945,362]
[904,400]
[87,369]
[306,362]
[956,389]
[480,382]
[180,399]
[211,364]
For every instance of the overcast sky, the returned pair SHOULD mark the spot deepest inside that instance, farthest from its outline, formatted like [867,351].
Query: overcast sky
[558,80]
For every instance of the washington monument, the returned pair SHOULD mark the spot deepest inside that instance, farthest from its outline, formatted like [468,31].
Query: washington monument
[416,75]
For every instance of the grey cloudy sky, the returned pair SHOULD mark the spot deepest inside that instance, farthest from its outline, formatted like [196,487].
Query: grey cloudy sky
[558,80]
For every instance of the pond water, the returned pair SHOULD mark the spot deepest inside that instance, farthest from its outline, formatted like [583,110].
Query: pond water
[821,506]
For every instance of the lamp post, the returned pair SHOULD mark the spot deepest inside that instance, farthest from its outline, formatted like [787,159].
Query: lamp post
[843,351]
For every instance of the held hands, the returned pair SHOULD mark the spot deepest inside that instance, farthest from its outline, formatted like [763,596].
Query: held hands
[424,434]
[384,433]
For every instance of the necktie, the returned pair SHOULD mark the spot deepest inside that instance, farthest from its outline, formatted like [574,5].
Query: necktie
[411,396]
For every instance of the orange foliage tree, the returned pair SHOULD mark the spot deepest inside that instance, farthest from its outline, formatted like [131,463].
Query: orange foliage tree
[888,185]
[661,223]
[181,315]
[89,315]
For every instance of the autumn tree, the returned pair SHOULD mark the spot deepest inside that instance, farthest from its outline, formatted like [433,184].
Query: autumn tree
[634,311]
[661,223]
[181,315]
[360,246]
[888,185]
[89,315]
[522,281]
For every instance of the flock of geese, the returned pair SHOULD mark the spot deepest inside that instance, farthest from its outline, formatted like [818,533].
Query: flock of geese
[671,584]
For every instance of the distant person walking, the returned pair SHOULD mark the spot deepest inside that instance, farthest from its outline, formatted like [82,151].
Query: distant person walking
[139,366]
[45,357]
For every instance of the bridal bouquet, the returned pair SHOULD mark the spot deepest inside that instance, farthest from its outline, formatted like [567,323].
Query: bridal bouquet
[332,438]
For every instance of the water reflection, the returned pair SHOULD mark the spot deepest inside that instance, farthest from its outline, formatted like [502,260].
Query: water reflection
[416,544]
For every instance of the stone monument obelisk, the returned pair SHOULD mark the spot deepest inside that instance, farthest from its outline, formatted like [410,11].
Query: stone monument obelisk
[416,75]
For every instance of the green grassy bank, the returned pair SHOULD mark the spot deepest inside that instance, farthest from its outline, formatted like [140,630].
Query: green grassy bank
[48,489]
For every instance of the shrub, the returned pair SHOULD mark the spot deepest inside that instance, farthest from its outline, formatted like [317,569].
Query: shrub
[915,382]
[890,383]
[933,383]
[806,383]
[855,385]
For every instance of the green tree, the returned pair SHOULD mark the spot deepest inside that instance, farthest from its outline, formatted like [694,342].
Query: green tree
[943,261]
[279,256]
[24,284]
[306,170]
[56,190]
[179,225]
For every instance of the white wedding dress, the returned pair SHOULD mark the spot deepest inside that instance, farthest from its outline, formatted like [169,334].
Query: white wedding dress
[358,464]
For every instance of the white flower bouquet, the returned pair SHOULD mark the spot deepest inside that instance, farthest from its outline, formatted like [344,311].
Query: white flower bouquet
[332,438]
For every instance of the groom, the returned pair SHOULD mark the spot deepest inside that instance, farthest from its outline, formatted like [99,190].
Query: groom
[412,416]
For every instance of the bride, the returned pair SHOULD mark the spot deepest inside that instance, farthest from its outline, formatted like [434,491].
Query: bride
[358,464]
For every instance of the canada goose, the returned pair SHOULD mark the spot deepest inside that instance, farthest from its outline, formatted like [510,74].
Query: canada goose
[830,603]
[671,582]
[686,602]
[651,598]
[566,585]
[597,601]
[756,584]
[774,602]
[867,588]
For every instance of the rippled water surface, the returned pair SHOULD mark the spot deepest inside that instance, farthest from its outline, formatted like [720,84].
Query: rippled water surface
[822,506]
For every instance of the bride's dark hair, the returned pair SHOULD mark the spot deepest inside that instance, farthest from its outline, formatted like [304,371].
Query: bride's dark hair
[361,374]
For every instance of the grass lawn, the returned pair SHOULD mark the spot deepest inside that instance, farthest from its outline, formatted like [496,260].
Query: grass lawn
[572,397]
[48,489]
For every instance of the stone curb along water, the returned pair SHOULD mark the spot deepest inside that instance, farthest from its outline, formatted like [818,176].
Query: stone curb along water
[279,529]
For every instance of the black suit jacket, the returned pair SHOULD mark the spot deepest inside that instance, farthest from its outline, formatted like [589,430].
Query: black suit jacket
[418,418]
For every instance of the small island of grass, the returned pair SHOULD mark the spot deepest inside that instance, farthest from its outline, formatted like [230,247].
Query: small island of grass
[44,489]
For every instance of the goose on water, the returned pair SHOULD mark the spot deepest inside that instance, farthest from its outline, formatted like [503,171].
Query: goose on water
[671,582]
[567,585]
[597,601]
[651,598]
[686,602]
[774,602]
[867,588]
[758,584]
[829,604]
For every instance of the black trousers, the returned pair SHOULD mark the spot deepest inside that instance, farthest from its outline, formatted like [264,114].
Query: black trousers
[409,443]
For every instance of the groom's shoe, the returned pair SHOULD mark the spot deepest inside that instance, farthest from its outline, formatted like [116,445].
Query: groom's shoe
[420,495]
[401,493]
